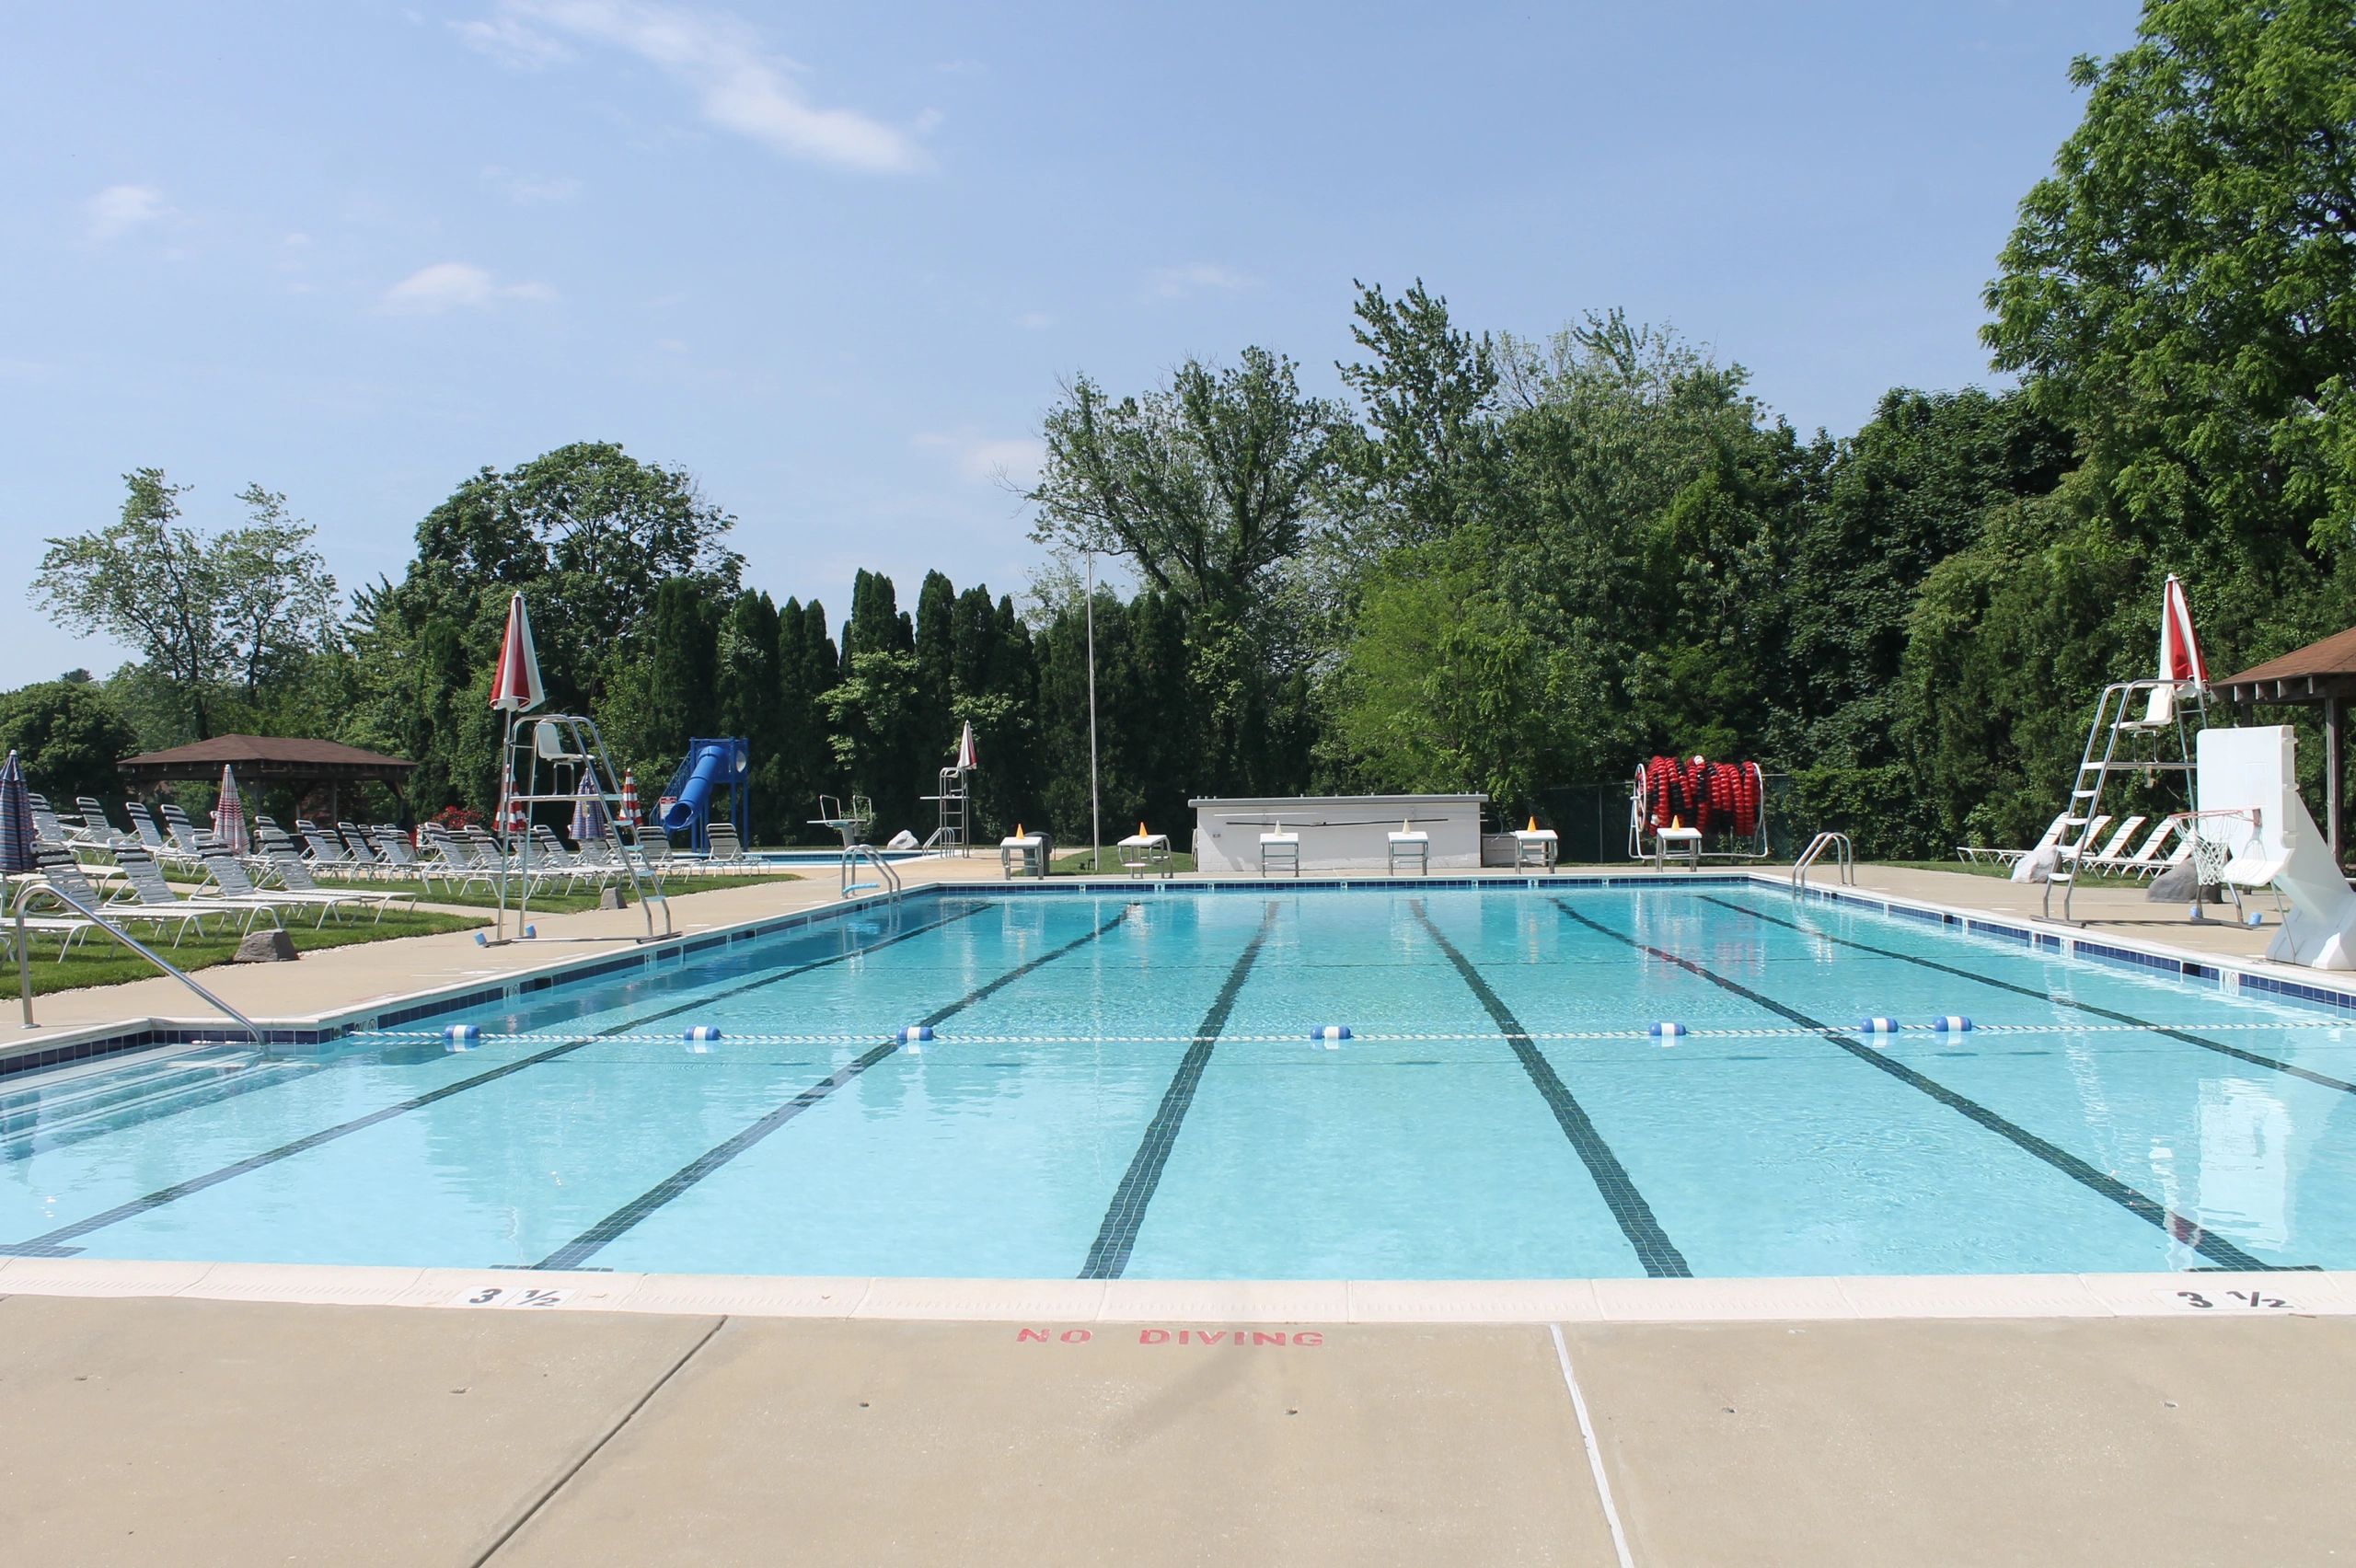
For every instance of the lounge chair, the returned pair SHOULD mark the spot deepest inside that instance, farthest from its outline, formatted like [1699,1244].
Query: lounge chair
[727,849]
[2145,861]
[145,880]
[61,872]
[1976,853]
[67,929]
[95,822]
[295,877]
[47,829]
[2113,846]
[184,835]
[392,847]
[229,874]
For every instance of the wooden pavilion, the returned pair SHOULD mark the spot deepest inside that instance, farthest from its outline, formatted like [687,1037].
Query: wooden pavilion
[261,760]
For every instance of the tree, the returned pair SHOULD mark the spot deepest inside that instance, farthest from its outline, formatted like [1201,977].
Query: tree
[1425,463]
[751,705]
[68,735]
[213,617]
[808,668]
[2182,290]
[1208,485]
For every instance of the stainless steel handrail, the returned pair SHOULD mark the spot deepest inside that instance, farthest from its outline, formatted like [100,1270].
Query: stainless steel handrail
[855,854]
[1844,858]
[135,945]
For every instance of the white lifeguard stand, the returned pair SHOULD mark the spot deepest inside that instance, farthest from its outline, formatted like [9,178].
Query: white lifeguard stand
[1412,845]
[2251,817]
[1535,849]
[1279,849]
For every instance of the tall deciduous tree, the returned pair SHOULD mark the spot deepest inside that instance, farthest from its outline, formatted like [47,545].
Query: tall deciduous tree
[2182,290]
[215,617]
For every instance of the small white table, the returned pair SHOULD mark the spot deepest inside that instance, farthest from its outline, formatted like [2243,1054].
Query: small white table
[1280,849]
[1412,847]
[1683,842]
[1144,854]
[1534,847]
[1026,856]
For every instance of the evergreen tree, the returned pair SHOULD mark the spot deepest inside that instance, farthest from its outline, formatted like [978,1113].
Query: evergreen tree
[751,705]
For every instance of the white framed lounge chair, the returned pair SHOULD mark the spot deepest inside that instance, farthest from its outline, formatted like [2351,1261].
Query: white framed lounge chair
[1978,854]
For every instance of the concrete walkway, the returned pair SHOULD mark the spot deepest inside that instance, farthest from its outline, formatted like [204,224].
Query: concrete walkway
[189,1433]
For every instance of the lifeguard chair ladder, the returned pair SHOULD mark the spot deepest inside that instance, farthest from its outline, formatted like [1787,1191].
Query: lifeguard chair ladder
[2156,739]
[950,834]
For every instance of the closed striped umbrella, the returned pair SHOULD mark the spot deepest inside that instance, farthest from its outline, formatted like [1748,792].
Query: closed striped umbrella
[588,811]
[629,798]
[16,852]
[229,817]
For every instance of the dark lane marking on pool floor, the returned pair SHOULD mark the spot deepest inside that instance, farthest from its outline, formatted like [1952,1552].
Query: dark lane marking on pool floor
[52,1244]
[1118,1235]
[587,1245]
[2213,1247]
[2253,1058]
[1637,1222]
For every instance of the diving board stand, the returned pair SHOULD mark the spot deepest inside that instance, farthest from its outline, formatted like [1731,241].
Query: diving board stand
[2251,809]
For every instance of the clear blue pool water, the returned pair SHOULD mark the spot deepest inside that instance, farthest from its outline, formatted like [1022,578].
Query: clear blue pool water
[1122,1085]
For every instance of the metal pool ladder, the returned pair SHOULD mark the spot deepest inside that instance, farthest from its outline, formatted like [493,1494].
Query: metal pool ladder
[856,855]
[1844,858]
[135,945]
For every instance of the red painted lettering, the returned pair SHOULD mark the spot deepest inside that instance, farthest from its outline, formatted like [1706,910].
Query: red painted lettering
[1039,1335]
[1263,1339]
[1076,1336]
[1309,1337]
[1154,1336]
[1213,1336]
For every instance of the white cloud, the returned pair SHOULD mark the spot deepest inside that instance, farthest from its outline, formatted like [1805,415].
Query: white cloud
[982,459]
[737,84]
[1034,320]
[119,209]
[510,42]
[1199,277]
[528,190]
[451,285]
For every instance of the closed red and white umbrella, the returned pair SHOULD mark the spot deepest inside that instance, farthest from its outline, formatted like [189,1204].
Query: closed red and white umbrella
[516,685]
[629,798]
[968,759]
[229,817]
[2180,659]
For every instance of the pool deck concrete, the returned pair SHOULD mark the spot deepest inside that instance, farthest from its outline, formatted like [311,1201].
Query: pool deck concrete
[189,1433]
[192,1414]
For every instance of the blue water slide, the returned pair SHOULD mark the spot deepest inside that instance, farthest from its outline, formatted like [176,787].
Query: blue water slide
[713,766]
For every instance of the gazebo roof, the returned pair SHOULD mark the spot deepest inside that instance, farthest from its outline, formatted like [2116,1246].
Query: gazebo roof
[290,758]
[2318,671]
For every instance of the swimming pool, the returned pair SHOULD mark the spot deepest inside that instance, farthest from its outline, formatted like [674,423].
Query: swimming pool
[1121,1083]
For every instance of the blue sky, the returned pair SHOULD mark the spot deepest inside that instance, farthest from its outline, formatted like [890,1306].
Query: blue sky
[835,259]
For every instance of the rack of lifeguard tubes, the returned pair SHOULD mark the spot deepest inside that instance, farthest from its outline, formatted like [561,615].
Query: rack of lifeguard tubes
[1726,801]
[560,759]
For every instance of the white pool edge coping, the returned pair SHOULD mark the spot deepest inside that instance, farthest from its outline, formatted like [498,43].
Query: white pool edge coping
[1072,1304]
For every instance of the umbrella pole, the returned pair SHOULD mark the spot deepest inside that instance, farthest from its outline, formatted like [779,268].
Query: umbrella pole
[24,970]
[506,773]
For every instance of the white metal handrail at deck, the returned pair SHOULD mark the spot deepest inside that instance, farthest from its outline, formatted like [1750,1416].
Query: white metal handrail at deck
[50,890]
[1844,857]
[855,855]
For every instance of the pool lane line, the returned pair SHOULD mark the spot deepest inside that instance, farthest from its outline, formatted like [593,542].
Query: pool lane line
[52,1244]
[1118,1234]
[2211,1246]
[590,1243]
[2253,1058]
[1637,1222]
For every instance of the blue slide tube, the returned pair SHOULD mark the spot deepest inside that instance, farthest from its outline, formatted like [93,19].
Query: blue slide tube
[707,774]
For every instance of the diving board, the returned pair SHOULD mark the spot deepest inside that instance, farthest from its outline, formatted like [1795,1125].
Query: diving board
[2250,806]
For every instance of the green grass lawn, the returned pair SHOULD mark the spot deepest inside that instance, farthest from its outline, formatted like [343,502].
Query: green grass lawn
[99,960]
[1079,864]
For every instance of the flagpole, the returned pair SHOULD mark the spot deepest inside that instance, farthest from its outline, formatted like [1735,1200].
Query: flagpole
[1095,832]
